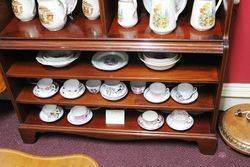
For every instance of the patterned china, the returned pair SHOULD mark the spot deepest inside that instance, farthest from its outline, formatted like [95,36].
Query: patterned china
[157,93]
[110,61]
[24,10]
[79,115]
[94,86]
[51,113]
[45,88]
[127,13]
[138,87]
[150,120]
[113,90]
[72,89]
[180,120]
[91,9]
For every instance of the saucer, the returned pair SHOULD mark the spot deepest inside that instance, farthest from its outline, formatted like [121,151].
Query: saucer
[71,95]
[82,122]
[149,97]
[46,94]
[53,118]
[117,96]
[179,126]
[187,101]
[156,126]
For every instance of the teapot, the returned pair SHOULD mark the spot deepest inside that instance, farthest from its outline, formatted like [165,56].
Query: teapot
[164,16]
[203,14]
[91,9]
[52,14]
[127,13]
[25,10]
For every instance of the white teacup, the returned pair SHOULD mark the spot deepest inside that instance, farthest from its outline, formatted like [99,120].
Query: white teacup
[25,10]
[49,109]
[138,87]
[150,117]
[52,14]
[113,86]
[185,90]
[79,113]
[158,89]
[91,9]
[181,116]
[45,84]
[72,86]
[93,86]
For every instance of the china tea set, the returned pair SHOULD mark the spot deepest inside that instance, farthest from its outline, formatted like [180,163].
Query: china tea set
[53,13]
[163,13]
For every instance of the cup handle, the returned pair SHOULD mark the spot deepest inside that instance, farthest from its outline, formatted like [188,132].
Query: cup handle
[195,90]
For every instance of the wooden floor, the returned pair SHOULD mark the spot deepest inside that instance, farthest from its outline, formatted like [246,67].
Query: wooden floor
[10,158]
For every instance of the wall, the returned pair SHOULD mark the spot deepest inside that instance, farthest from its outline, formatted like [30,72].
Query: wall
[239,62]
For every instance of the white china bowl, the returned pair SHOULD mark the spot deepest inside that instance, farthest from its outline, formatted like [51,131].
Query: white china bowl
[72,95]
[114,96]
[94,86]
[160,58]
[47,119]
[138,87]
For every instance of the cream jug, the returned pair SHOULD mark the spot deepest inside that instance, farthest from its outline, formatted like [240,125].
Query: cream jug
[91,9]
[163,16]
[203,14]
[25,10]
[52,14]
[127,13]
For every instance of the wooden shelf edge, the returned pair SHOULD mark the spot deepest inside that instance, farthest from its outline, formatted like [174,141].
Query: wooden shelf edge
[213,47]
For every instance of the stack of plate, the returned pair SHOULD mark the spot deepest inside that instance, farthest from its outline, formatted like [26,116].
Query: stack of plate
[160,61]
[57,58]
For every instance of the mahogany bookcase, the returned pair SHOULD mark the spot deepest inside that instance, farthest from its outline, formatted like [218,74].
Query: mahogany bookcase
[205,56]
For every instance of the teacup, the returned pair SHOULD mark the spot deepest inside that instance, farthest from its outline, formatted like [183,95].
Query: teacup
[138,87]
[45,84]
[91,9]
[72,86]
[158,89]
[93,86]
[79,113]
[113,87]
[25,10]
[185,90]
[150,117]
[181,116]
[49,109]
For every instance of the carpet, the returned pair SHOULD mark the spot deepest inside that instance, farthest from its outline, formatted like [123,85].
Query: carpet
[119,154]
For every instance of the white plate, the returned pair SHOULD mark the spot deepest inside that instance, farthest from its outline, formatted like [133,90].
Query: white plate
[179,126]
[110,61]
[47,94]
[86,120]
[156,126]
[187,101]
[116,97]
[148,4]
[70,95]
[149,97]
[53,118]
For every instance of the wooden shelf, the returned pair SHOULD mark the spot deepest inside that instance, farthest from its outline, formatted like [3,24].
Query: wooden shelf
[190,69]
[204,102]
[97,127]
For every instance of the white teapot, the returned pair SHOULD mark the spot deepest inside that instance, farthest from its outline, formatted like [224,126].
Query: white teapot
[163,15]
[91,9]
[127,13]
[203,14]
[25,10]
[52,14]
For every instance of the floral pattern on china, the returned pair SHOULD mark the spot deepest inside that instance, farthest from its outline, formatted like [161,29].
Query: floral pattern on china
[46,16]
[207,13]
[17,7]
[87,8]
[160,17]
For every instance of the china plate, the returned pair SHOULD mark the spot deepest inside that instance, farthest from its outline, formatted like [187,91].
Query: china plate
[53,118]
[70,95]
[48,94]
[110,61]
[86,120]
[148,4]
[187,101]
[121,95]
[156,126]
[179,126]
[148,96]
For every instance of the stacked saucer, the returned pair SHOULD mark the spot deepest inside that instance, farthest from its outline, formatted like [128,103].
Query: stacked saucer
[57,58]
[79,115]
[51,113]
[184,93]
[150,120]
[72,89]
[160,61]
[157,93]
[113,90]
[45,88]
